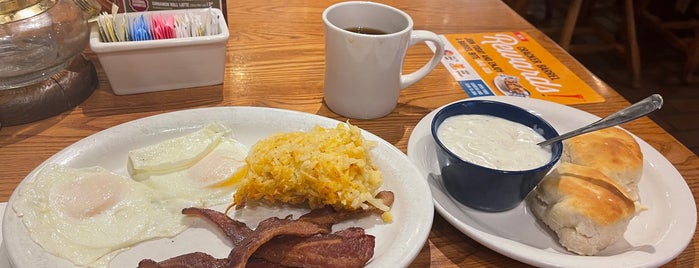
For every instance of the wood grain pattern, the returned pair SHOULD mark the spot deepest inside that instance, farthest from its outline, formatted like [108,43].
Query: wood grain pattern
[275,59]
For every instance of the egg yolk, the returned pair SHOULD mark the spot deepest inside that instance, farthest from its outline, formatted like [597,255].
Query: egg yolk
[88,196]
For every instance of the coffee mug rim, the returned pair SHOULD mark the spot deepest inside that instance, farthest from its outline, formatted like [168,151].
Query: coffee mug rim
[405,15]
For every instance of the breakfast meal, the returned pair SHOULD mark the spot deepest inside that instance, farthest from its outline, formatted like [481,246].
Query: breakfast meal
[89,215]
[510,86]
[493,142]
[513,86]
[324,166]
[328,169]
[590,198]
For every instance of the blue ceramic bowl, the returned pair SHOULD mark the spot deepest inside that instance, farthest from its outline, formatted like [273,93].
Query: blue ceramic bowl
[485,188]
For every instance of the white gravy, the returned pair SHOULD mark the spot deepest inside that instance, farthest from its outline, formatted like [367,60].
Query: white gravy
[493,142]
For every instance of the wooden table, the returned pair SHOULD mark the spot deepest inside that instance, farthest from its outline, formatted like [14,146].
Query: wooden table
[275,59]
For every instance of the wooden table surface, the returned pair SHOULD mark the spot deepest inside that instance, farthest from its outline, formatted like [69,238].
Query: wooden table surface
[275,59]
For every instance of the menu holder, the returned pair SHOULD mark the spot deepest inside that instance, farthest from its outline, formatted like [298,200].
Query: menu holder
[126,6]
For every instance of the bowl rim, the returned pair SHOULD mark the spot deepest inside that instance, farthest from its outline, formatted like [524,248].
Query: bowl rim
[556,147]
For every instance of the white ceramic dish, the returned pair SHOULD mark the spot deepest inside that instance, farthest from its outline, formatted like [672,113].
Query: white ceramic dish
[397,243]
[653,238]
[154,65]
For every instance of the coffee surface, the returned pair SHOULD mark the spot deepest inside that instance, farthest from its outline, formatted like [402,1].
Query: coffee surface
[365,30]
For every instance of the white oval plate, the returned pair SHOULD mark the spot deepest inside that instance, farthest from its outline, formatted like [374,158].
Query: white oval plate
[653,238]
[397,243]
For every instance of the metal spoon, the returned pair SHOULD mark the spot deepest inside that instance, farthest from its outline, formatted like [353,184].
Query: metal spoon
[636,110]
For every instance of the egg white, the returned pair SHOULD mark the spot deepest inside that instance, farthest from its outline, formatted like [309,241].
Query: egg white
[88,215]
[205,182]
[176,153]
[203,177]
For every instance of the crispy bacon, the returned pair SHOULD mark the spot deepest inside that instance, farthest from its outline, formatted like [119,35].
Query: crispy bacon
[267,230]
[305,242]
[189,260]
[235,231]
[329,216]
[346,248]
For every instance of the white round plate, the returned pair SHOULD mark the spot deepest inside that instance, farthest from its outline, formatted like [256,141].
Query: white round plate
[397,243]
[653,238]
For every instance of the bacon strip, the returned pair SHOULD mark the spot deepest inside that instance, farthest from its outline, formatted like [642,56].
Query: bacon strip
[189,260]
[267,230]
[235,231]
[347,248]
[329,216]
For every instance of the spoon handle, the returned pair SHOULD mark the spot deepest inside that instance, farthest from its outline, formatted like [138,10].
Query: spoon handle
[638,109]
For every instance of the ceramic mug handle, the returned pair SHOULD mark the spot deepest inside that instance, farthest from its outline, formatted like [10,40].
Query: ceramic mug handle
[418,36]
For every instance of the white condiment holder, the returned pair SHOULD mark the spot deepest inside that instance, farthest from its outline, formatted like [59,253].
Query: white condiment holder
[154,65]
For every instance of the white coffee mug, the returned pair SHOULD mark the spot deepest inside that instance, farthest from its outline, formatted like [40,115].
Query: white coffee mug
[363,72]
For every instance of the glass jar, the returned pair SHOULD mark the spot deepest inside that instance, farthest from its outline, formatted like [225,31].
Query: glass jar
[38,38]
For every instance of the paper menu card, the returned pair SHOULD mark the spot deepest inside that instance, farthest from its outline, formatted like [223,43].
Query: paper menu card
[153,5]
[511,64]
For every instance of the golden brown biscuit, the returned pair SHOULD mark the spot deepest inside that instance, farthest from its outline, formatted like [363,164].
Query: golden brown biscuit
[612,151]
[586,209]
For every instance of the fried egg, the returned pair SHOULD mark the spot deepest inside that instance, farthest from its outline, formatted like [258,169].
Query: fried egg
[88,215]
[198,167]
[176,153]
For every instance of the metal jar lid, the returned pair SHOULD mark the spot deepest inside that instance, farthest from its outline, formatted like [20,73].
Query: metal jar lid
[15,10]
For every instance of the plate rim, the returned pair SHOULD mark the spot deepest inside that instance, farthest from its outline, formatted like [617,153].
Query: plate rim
[412,243]
[514,252]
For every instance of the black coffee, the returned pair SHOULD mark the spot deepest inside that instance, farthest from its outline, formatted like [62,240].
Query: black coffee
[365,30]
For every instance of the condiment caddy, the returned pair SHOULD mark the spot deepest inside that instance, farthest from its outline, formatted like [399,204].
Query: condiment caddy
[161,50]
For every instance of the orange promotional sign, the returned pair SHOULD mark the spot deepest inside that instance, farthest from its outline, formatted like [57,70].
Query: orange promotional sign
[512,64]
